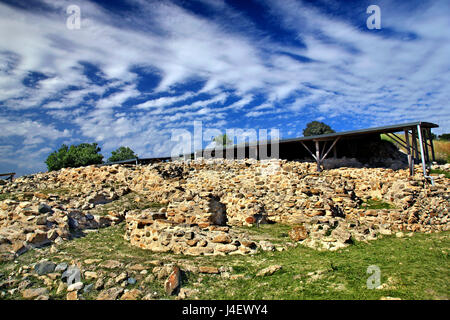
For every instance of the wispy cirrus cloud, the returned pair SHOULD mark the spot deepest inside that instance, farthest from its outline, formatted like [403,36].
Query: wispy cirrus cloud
[135,71]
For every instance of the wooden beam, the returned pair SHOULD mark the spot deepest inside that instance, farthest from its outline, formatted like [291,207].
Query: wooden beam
[10,175]
[408,150]
[414,142]
[425,138]
[323,147]
[431,144]
[308,150]
[397,139]
[329,149]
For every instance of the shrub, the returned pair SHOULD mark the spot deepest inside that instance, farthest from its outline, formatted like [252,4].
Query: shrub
[123,153]
[74,156]
[317,128]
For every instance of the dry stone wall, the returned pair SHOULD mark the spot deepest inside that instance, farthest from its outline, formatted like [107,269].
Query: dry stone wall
[204,199]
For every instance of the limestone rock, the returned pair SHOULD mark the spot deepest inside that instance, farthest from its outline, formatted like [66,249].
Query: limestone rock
[173,282]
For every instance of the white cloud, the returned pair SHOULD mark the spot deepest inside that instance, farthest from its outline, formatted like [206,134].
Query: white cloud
[351,72]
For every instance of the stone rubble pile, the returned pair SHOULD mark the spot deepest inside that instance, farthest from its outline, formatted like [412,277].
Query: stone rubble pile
[204,198]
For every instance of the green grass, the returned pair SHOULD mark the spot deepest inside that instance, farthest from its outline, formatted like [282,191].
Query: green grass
[7,195]
[376,204]
[417,267]
[127,202]
[439,171]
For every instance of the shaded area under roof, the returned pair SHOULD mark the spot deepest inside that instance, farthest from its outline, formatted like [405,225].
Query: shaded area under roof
[346,134]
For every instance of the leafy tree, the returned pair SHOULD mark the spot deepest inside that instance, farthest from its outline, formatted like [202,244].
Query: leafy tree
[123,153]
[315,128]
[223,140]
[445,136]
[83,154]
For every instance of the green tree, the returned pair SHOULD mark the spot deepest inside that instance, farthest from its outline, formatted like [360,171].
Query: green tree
[83,154]
[222,140]
[315,128]
[123,153]
[444,136]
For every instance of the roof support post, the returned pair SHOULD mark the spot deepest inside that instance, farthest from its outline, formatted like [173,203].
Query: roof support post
[408,151]
[318,160]
[422,153]
[430,136]
[419,129]
[414,142]
[425,144]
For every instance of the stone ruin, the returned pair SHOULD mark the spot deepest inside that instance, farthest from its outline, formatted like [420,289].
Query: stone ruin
[326,207]
[205,200]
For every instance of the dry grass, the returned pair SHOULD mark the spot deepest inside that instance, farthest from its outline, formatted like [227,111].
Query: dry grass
[441,147]
[442,150]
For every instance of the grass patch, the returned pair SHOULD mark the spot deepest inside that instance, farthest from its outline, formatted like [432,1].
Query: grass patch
[376,204]
[411,267]
[273,232]
[439,171]
[127,202]
[8,196]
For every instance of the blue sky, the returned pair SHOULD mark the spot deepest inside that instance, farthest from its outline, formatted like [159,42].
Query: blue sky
[136,70]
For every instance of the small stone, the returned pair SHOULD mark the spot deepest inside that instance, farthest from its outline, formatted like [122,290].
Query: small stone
[111,264]
[44,267]
[210,270]
[24,285]
[99,284]
[88,288]
[266,246]
[298,233]
[110,283]
[34,293]
[37,238]
[133,294]
[44,208]
[91,261]
[41,220]
[52,234]
[390,298]
[268,271]
[222,238]
[75,286]
[173,281]
[123,276]
[61,288]
[399,234]
[131,281]
[90,275]
[110,294]
[61,267]
[72,295]
[137,267]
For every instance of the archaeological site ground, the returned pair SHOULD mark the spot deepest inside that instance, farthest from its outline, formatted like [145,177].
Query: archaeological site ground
[225,229]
